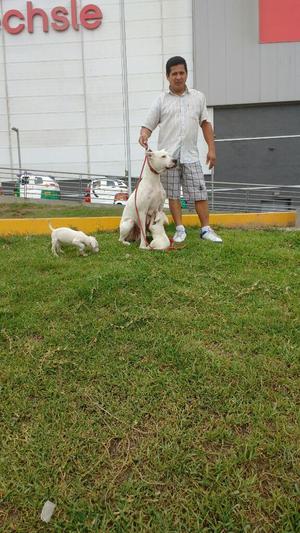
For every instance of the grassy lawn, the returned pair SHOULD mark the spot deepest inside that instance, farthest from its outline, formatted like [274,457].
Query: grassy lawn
[19,209]
[151,391]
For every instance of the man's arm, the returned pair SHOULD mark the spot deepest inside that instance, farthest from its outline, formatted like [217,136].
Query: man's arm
[208,134]
[151,122]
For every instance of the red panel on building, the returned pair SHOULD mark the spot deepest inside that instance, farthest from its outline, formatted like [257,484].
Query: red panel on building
[279,21]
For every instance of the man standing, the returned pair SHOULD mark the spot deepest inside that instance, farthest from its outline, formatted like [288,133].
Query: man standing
[178,113]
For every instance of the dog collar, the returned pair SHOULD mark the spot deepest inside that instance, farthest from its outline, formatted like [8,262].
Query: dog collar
[151,168]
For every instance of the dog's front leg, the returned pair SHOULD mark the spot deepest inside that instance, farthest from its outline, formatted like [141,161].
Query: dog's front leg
[81,247]
[142,223]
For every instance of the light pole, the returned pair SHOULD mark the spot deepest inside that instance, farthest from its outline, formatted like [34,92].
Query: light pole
[125,94]
[19,148]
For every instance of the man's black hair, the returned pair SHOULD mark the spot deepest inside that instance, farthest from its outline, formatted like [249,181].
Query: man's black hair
[176,60]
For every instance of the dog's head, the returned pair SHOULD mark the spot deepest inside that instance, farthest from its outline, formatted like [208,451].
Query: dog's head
[158,222]
[94,244]
[161,218]
[160,160]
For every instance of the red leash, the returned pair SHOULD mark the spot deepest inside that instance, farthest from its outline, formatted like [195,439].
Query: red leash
[135,193]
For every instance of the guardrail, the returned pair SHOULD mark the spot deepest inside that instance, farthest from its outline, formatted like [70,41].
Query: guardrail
[223,196]
[234,197]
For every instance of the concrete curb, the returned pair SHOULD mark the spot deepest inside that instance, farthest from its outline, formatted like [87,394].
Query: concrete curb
[39,226]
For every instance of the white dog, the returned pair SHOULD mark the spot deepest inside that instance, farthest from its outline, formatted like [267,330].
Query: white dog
[160,240]
[72,237]
[147,199]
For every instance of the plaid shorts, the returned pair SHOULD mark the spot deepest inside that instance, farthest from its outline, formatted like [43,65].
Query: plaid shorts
[190,177]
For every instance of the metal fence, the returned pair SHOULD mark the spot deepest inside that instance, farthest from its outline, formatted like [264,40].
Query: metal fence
[223,196]
[33,184]
[249,197]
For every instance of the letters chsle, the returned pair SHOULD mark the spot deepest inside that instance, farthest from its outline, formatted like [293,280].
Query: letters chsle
[90,17]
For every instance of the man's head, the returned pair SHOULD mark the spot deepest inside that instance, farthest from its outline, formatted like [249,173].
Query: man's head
[176,71]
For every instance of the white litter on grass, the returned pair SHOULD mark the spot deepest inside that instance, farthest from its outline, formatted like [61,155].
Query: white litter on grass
[47,511]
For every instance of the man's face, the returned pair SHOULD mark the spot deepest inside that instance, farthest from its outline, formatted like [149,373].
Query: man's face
[177,78]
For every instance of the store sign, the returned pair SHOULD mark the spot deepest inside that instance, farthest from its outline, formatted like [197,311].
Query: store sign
[60,19]
[279,21]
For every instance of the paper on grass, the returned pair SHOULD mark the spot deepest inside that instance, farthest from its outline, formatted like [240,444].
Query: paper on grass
[47,511]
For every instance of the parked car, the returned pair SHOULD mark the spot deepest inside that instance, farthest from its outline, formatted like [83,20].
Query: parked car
[106,191]
[37,187]
[121,198]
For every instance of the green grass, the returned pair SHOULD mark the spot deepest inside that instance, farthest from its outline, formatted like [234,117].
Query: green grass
[151,391]
[21,209]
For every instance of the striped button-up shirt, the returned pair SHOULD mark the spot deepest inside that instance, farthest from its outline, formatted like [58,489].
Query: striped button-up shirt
[178,118]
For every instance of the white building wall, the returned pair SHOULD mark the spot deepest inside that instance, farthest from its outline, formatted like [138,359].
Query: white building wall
[5,155]
[64,90]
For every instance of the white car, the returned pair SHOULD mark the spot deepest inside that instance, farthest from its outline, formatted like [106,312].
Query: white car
[37,187]
[105,190]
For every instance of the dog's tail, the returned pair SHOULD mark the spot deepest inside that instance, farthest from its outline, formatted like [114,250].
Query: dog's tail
[50,227]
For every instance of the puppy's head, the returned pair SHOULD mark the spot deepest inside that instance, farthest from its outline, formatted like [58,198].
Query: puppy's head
[158,222]
[94,244]
[161,218]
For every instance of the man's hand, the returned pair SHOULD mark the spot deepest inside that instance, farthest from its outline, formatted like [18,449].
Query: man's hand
[211,159]
[210,141]
[144,136]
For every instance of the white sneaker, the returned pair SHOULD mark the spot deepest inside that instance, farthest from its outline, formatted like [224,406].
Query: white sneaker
[209,235]
[180,234]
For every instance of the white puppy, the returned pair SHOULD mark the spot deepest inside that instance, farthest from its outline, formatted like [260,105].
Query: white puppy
[147,199]
[72,237]
[160,240]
